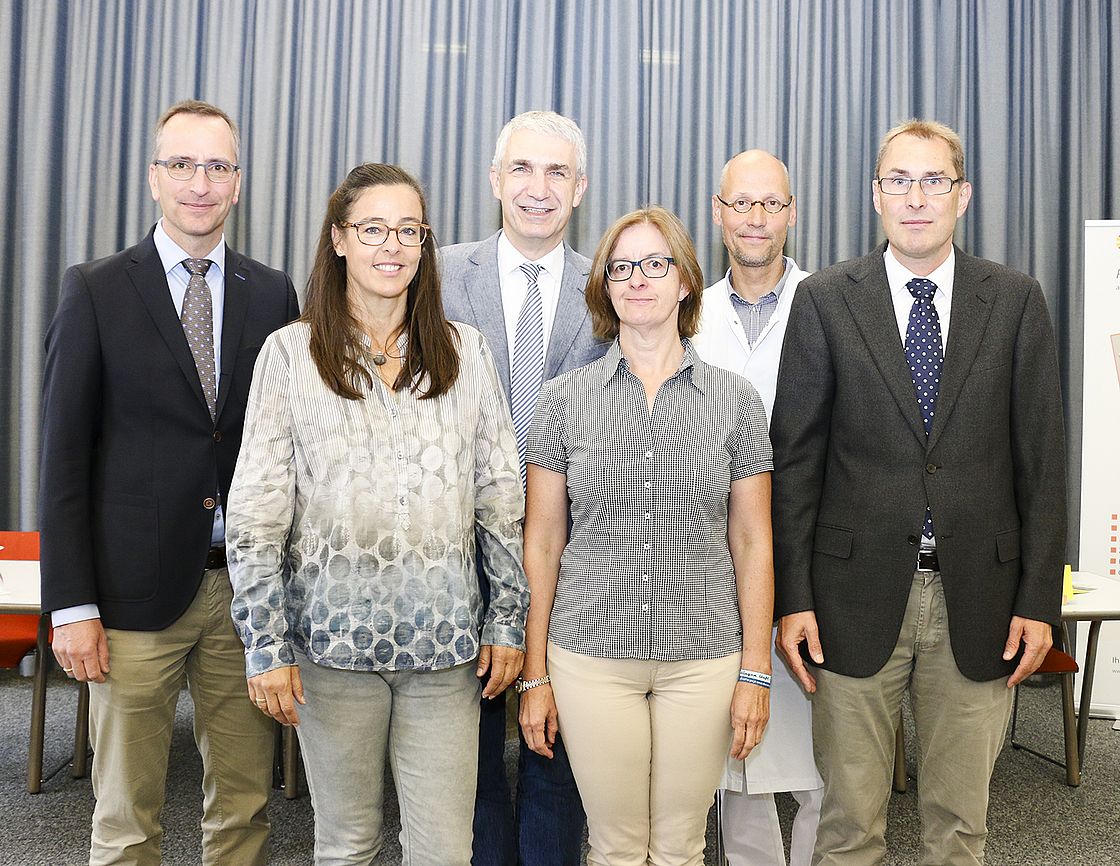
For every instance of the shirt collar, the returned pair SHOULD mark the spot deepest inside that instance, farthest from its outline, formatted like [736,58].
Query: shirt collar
[613,361]
[898,275]
[776,291]
[171,255]
[509,259]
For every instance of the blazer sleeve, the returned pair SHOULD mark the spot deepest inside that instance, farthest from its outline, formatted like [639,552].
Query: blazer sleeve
[72,399]
[1038,452]
[799,431]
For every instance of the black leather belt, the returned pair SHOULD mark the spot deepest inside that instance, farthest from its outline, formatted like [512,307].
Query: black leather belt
[927,560]
[216,557]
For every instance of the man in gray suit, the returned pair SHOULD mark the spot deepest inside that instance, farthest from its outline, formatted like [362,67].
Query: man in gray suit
[523,289]
[919,506]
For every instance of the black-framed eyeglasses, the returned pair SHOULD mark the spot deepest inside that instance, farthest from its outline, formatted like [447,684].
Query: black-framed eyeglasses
[770,204]
[374,234]
[217,171]
[654,268]
[899,184]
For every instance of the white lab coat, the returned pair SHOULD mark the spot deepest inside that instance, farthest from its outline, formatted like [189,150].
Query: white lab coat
[783,761]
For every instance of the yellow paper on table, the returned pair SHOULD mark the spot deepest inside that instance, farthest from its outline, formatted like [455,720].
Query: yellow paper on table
[1067,584]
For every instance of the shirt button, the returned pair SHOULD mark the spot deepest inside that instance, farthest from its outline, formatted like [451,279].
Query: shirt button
[208,503]
[649,455]
[648,515]
[645,546]
[647,485]
[645,607]
[645,577]
[402,500]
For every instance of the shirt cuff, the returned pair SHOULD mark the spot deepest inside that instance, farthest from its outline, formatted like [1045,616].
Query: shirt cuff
[67,615]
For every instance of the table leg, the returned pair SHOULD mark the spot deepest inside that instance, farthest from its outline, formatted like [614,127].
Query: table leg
[38,709]
[1087,687]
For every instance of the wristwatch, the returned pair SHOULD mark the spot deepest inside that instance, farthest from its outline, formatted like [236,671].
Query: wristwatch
[524,685]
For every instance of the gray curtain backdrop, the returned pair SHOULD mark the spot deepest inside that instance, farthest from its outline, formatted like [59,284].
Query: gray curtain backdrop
[665,91]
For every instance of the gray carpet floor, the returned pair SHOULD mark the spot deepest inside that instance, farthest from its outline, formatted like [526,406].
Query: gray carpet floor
[1033,818]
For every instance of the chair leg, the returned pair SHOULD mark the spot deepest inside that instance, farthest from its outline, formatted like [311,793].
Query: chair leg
[900,781]
[81,734]
[1069,730]
[291,762]
[38,709]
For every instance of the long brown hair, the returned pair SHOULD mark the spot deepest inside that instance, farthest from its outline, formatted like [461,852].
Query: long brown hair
[431,363]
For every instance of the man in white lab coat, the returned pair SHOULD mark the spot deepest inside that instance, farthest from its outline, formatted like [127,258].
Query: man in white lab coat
[742,329]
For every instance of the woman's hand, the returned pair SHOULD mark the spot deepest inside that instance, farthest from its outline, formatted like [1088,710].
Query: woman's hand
[276,693]
[539,719]
[750,711]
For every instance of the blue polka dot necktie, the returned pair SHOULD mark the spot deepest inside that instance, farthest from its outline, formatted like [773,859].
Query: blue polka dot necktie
[198,326]
[924,355]
[526,369]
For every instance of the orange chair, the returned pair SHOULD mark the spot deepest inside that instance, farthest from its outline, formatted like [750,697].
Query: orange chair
[19,634]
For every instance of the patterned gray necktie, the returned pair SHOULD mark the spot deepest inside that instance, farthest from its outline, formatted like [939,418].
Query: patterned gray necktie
[526,369]
[198,325]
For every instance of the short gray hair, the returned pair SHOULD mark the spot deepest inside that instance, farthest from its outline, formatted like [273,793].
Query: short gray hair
[544,123]
[202,109]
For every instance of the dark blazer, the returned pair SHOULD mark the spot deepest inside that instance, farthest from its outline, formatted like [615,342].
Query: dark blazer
[130,456]
[472,294]
[854,470]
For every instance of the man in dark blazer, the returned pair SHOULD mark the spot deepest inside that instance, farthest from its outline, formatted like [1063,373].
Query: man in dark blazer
[919,506]
[149,359]
[539,175]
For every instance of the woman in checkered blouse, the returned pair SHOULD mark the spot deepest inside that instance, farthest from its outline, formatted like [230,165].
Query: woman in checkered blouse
[652,620]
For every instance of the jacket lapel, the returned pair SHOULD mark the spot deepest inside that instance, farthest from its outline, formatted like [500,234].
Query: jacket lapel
[971,309]
[571,311]
[483,287]
[868,296]
[147,276]
[234,309]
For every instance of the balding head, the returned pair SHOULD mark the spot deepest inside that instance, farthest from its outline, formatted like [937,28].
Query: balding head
[754,208]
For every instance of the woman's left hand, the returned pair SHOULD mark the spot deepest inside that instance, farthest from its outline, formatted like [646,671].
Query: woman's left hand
[750,711]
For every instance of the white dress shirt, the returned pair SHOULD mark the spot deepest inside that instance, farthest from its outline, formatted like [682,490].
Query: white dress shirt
[898,275]
[514,286]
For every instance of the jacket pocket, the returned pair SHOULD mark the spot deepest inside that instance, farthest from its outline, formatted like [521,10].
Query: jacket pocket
[833,541]
[1007,545]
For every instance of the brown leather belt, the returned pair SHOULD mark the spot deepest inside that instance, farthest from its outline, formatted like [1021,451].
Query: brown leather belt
[216,557]
[927,560]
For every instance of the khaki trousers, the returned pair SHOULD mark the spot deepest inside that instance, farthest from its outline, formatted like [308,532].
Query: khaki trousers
[647,741]
[960,727]
[131,718]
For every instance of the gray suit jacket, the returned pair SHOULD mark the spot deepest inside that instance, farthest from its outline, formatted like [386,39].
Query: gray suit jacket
[854,470]
[472,294]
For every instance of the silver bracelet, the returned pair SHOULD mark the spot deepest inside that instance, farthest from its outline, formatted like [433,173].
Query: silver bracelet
[755,678]
[523,686]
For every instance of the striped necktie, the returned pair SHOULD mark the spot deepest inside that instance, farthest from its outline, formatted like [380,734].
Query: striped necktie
[198,326]
[526,372]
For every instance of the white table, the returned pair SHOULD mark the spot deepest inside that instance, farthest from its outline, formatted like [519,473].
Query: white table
[19,593]
[1101,603]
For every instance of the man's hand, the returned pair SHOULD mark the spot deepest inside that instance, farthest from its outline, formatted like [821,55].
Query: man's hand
[1036,638]
[792,630]
[82,650]
[539,719]
[504,664]
[276,693]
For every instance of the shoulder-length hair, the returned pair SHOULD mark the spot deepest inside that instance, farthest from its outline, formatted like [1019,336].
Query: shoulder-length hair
[603,315]
[431,363]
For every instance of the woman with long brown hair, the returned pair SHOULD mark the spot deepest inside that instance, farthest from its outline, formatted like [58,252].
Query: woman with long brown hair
[376,442]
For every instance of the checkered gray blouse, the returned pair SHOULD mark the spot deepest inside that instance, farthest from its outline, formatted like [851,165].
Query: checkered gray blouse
[647,573]
[350,525]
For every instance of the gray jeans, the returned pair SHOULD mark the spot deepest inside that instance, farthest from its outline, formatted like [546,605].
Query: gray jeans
[427,722]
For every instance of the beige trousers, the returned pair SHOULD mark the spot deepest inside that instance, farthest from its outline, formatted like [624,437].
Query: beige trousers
[131,718]
[647,742]
[960,727]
